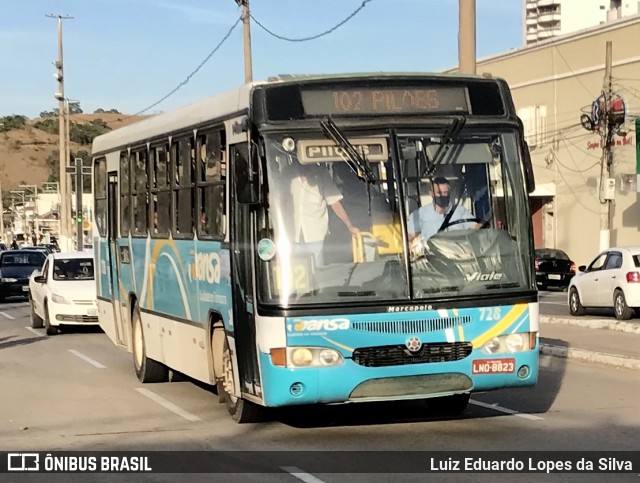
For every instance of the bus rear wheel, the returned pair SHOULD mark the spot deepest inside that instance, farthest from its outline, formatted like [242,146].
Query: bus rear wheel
[241,410]
[146,369]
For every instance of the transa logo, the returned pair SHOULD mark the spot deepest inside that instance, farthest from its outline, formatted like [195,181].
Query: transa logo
[205,267]
[318,325]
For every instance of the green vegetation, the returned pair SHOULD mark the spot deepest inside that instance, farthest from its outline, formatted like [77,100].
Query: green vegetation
[84,133]
[7,123]
[47,125]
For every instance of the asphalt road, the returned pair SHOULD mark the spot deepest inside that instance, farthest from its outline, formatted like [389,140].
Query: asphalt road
[77,391]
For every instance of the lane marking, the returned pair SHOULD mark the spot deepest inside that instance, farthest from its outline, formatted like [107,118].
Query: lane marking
[8,316]
[501,409]
[301,475]
[34,331]
[87,359]
[168,405]
[561,304]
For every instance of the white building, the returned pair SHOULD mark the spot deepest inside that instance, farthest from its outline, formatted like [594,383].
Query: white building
[543,19]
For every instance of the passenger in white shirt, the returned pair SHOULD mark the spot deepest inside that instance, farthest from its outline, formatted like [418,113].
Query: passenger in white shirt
[312,190]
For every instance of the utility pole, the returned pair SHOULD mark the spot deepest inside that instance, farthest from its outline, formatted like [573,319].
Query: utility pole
[64,210]
[607,155]
[3,235]
[79,172]
[467,36]
[246,21]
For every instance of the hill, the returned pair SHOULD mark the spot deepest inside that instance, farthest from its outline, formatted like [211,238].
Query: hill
[27,154]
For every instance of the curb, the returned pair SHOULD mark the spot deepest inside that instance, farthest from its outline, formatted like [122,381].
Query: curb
[590,356]
[628,327]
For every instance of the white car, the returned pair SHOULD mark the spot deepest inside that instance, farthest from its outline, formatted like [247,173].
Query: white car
[612,279]
[63,292]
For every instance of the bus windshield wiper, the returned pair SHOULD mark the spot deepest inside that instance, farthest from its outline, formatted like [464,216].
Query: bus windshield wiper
[448,138]
[355,160]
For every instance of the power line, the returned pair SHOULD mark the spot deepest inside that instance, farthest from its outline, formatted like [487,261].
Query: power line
[313,37]
[195,71]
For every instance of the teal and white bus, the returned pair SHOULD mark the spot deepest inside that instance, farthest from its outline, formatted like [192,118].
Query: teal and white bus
[200,271]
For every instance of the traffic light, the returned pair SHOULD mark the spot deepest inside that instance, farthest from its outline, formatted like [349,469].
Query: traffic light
[79,218]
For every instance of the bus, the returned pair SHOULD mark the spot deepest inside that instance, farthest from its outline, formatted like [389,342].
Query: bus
[209,262]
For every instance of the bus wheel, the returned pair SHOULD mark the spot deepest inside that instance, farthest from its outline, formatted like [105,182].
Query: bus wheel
[146,369]
[241,410]
[451,405]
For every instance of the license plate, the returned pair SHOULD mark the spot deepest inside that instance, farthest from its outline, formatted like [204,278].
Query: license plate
[25,288]
[553,276]
[92,312]
[493,366]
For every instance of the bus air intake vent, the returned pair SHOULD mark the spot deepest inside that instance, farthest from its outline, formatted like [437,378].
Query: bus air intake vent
[410,326]
[399,355]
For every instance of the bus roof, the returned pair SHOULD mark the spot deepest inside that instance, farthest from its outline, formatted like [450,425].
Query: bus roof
[236,101]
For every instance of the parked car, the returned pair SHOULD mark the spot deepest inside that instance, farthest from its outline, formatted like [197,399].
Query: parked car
[554,268]
[612,279]
[15,268]
[63,292]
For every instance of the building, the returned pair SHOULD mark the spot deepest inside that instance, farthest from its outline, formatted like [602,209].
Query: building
[553,84]
[543,19]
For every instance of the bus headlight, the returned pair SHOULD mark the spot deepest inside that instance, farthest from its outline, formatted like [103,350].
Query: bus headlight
[301,357]
[298,357]
[508,343]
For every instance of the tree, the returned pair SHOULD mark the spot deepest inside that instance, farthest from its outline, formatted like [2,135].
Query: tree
[74,107]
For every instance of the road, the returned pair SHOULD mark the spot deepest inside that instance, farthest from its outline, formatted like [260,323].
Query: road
[77,391]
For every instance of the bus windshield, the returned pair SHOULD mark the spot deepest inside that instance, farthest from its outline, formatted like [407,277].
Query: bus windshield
[431,217]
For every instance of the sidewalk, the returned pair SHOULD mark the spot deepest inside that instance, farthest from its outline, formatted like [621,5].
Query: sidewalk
[599,340]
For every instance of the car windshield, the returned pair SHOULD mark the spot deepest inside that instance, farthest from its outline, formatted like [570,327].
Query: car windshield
[73,269]
[33,259]
[549,253]
[333,232]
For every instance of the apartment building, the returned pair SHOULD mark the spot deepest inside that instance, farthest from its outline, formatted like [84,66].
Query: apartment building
[543,19]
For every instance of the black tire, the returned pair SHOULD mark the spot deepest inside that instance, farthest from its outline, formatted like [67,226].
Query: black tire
[36,320]
[48,328]
[147,370]
[450,405]
[241,410]
[620,307]
[575,306]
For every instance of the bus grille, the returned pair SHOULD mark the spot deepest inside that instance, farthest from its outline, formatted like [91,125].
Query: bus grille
[410,326]
[398,355]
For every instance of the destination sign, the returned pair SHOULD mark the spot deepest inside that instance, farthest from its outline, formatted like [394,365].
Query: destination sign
[321,150]
[385,100]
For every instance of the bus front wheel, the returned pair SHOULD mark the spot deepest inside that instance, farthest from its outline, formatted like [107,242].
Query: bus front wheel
[241,410]
[146,369]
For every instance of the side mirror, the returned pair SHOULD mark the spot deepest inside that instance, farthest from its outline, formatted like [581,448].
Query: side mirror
[40,279]
[528,168]
[247,176]
[582,268]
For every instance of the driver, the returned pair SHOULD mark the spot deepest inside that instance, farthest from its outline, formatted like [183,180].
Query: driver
[428,219]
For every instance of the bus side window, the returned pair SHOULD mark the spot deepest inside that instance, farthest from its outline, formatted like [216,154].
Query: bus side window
[140,195]
[183,154]
[211,182]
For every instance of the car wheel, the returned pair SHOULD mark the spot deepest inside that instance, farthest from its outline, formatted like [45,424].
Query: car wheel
[146,369]
[36,320]
[620,307]
[575,306]
[241,410]
[451,405]
[48,328]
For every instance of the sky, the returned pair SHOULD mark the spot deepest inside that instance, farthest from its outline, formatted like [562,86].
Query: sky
[129,54]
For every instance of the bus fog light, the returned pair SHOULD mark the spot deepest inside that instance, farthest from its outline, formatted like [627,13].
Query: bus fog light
[301,357]
[524,372]
[329,357]
[289,145]
[491,346]
[515,342]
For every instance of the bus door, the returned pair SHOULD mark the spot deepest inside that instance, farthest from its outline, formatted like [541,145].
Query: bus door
[242,224]
[114,255]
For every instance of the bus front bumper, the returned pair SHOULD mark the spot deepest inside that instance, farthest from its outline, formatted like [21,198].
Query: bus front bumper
[350,382]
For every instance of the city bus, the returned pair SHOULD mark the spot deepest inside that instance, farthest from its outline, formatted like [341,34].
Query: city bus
[212,265]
